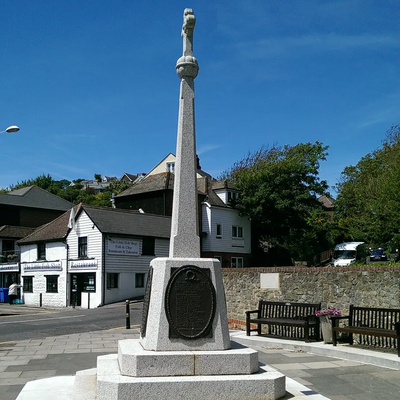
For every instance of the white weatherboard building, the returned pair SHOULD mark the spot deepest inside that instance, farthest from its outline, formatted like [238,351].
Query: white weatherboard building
[91,256]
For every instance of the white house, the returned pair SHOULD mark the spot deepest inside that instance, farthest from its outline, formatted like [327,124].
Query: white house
[91,256]
[225,234]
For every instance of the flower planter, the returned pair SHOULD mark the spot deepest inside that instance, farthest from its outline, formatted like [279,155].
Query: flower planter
[326,328]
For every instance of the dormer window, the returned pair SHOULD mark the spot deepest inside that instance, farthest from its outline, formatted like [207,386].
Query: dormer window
[171,167]
[232,196]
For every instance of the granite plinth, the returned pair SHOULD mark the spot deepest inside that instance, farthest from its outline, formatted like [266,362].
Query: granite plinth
[266,384]
[157,326]
[135,361]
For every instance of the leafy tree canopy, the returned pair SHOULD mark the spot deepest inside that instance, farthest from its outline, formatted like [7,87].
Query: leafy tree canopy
[279,188]
[368,201]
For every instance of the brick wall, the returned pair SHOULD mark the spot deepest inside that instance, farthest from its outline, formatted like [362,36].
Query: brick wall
[376,286]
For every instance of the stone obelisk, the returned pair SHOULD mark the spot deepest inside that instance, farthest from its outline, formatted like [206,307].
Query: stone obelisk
[186,308]
[185,241]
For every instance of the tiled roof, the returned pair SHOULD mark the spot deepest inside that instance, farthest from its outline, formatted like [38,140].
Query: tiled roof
[128,222]
[165,181]
[152,183]
[15,232]
[54,230]
[108,220]
[34,197]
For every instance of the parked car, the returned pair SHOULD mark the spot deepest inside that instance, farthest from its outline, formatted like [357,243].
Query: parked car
[377,255]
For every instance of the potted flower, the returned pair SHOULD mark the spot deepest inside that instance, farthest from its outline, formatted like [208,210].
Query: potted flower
[325,321]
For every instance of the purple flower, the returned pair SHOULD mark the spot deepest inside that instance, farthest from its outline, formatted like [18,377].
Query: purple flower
[329,311]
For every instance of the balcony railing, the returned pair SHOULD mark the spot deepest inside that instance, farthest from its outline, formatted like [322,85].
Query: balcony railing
[10,257]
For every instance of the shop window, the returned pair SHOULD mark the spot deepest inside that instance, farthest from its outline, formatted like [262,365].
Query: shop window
[139,280]
[52,284]
[148,246]
[237,262]
[89,282]
[41,251]
[237,232]
[112,281]
[82,247]
[27,285]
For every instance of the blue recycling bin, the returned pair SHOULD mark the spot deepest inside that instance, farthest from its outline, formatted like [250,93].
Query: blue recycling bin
[4,295]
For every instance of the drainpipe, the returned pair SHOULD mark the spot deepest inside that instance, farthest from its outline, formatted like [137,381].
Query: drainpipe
[67,294]
[103,270]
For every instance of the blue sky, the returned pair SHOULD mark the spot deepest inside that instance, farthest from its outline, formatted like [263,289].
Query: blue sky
[93,87]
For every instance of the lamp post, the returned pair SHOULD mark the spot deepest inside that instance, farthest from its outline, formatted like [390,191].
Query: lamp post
[11,129]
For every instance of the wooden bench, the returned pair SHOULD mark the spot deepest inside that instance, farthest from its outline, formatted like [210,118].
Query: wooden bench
[284,314]
[367,322]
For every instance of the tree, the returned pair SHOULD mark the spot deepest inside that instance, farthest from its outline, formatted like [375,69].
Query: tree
[279,190]
[368,201]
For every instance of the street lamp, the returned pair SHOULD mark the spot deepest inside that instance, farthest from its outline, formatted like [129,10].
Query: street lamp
[11,129]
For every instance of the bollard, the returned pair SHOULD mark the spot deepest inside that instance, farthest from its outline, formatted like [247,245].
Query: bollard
[127,315]
[40,300]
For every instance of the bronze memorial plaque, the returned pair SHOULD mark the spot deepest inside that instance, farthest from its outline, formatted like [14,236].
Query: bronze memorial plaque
[146,303]
[190,303]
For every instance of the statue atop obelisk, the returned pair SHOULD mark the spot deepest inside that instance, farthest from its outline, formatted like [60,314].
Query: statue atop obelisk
[185,241]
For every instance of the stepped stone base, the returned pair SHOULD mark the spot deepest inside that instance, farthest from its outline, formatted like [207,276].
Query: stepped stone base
[266,384]
[135,361]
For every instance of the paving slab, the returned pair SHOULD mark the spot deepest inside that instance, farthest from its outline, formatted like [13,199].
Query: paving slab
[309,375]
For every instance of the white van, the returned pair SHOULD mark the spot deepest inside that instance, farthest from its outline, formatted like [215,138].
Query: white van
[349,253]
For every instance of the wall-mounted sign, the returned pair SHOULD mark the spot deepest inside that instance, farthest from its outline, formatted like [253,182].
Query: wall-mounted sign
[48,266]
[9,268]
[84,264]
[123,247]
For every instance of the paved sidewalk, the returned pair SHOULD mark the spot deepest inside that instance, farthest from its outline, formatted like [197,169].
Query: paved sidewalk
[312,376]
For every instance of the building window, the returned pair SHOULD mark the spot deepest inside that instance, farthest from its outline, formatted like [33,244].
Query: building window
[82,247]
[148,246]
[41,251]
[237,232]
[89,282]
[52,284]
[139,280]
[27,284]
[112,281]
[219,230]
[237,262]
[171,167]
[233,196]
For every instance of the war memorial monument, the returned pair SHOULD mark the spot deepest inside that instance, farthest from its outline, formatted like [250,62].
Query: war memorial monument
[184,351]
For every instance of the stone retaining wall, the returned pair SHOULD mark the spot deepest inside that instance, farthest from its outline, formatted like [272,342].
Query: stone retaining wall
[376,286]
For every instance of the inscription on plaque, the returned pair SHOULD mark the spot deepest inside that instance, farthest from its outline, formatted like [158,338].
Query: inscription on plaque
[190,303]
[146,304]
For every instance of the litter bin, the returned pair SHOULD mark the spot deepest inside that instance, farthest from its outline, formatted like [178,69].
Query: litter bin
[4,295]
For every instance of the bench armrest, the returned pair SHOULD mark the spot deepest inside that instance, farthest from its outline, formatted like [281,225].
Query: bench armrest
[251,312]
[335,319]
